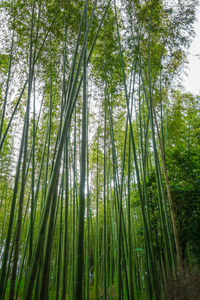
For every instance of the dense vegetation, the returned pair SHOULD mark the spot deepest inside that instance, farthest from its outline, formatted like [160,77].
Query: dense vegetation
[99,150]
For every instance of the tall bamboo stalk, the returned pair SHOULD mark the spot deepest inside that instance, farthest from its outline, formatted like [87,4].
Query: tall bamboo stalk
[80,239]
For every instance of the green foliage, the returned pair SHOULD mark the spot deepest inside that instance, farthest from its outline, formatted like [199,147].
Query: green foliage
[182,156]
[184,169]
[4,63]
[105,59]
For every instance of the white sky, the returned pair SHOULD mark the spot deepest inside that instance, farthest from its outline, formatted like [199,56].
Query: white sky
[192,81]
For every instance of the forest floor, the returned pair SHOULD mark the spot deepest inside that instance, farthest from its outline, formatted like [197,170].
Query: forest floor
[187,287]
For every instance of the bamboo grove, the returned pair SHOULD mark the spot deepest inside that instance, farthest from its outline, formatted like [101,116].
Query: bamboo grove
[85,97]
